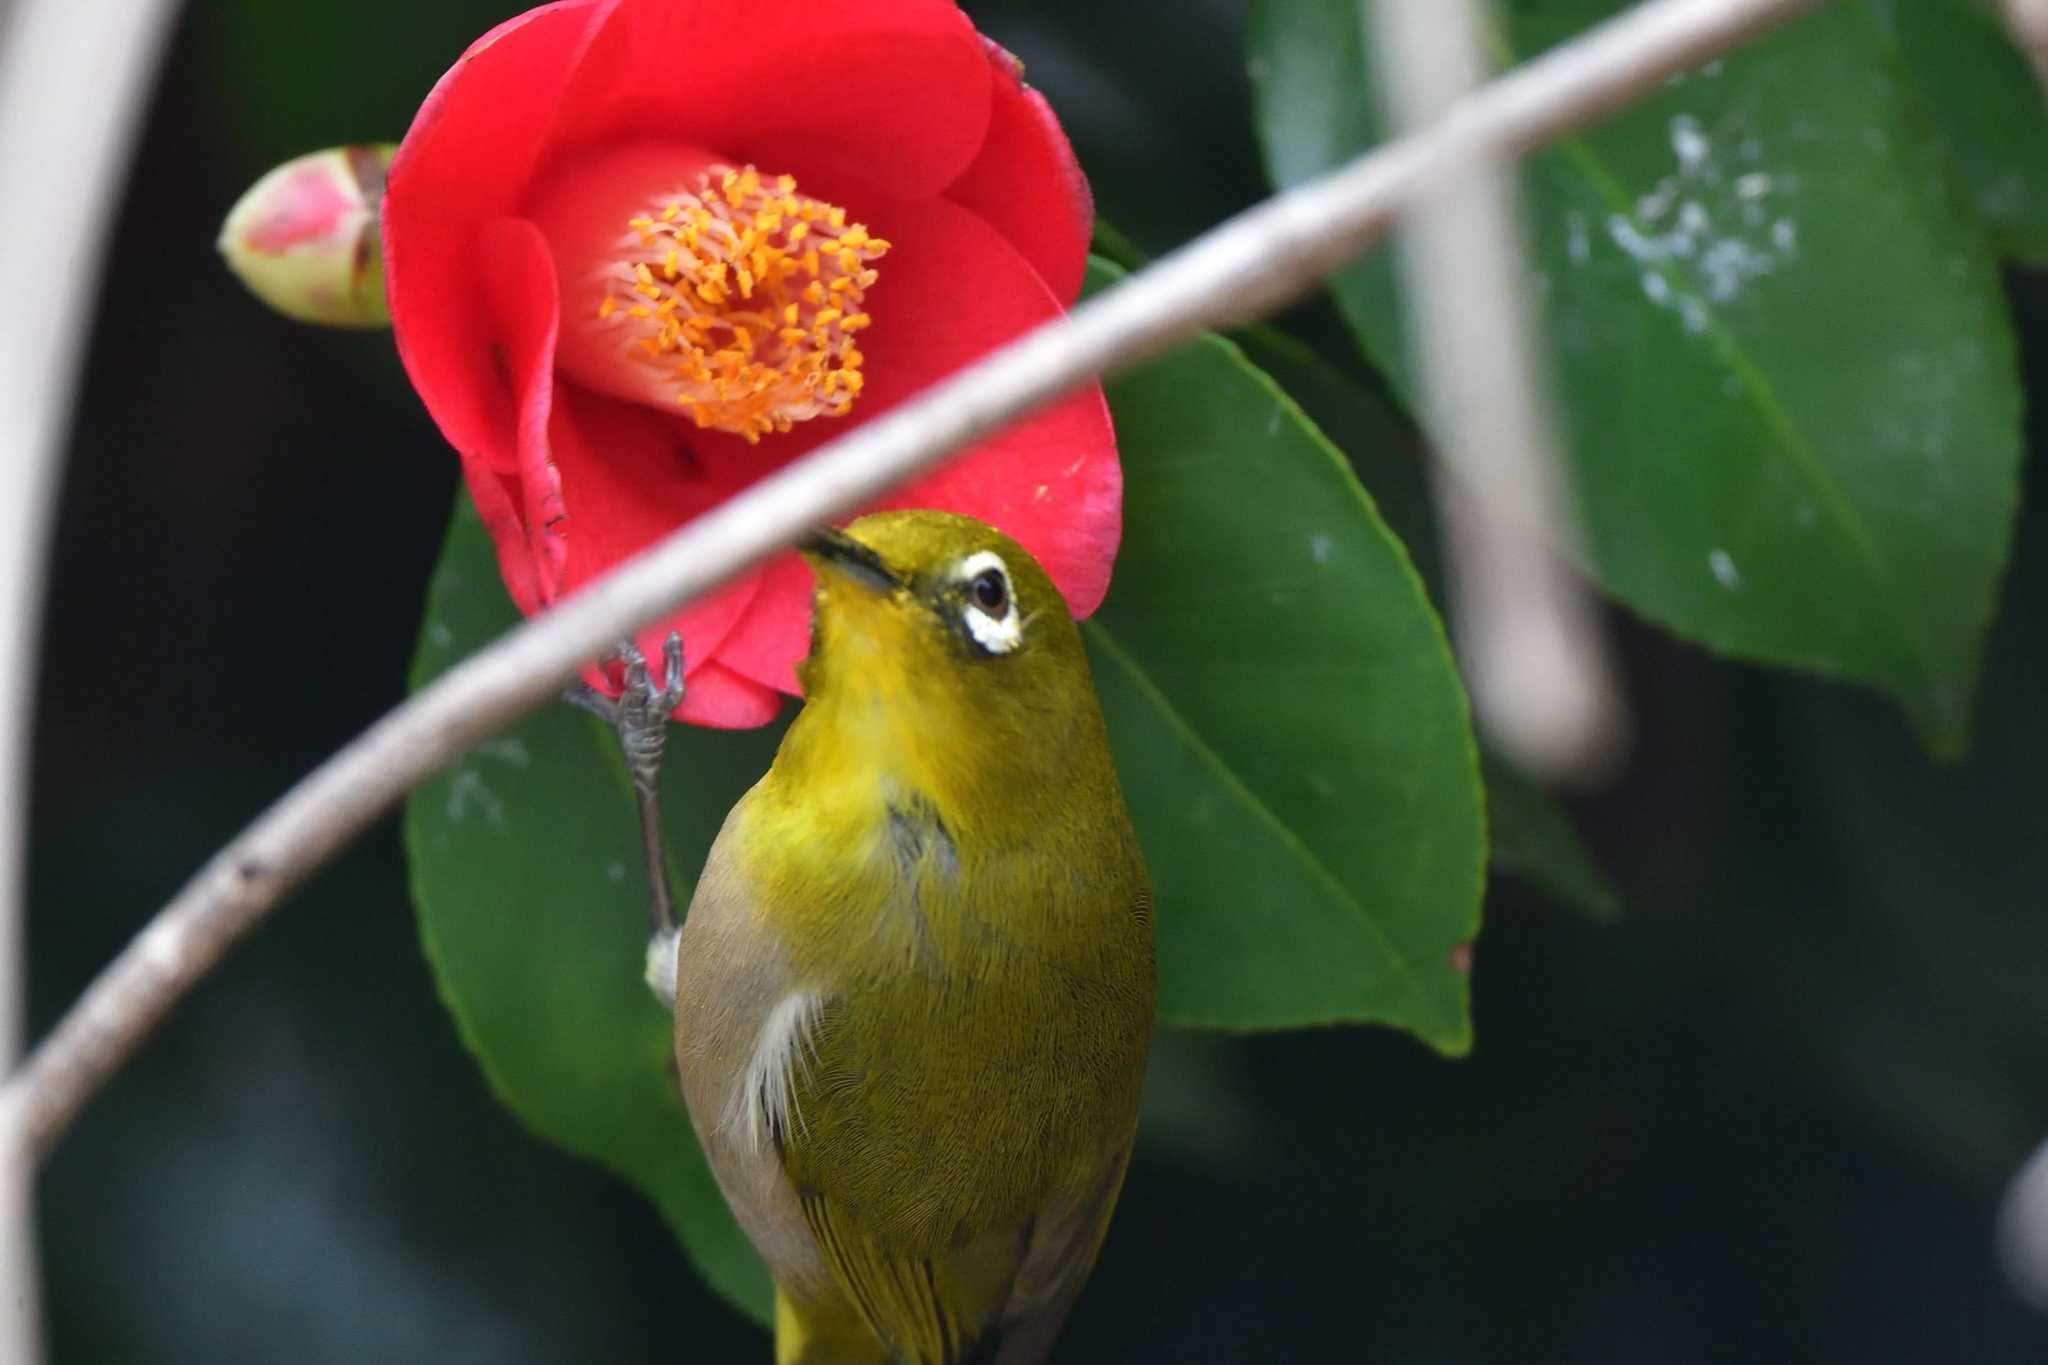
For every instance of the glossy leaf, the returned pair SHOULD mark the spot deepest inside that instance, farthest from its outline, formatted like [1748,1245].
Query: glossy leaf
[1291,733]
[1529,836]
[1984,105]
[526,874]
[1785,370]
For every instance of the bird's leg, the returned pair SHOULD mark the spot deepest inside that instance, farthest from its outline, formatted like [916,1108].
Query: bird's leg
[640,719]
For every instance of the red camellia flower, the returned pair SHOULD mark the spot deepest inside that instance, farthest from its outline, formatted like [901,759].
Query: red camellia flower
[642,252]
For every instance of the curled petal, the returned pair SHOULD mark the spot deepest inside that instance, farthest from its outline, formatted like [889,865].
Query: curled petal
[519,276]
[497,505]
[465,162]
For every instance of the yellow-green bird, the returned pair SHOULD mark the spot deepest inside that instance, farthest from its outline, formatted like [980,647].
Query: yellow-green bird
[914,990]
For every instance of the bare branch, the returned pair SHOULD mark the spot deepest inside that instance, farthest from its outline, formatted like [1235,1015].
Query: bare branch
[72,81]
[1528,631]
[1241,270]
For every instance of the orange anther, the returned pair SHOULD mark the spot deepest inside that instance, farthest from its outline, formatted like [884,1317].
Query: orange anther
[738,235]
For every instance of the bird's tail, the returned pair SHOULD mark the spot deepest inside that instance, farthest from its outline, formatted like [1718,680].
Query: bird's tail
[824,1333]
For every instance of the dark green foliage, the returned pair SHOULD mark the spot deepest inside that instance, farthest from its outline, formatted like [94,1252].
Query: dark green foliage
[1786,376]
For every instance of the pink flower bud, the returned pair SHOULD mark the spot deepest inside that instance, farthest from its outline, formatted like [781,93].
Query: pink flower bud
[305,237]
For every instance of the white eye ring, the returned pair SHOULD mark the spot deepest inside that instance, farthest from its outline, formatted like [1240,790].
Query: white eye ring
[996,635]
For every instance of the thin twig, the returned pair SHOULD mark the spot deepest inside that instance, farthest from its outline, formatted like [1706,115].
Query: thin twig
[1528,633]
[1240,271]
[73,79]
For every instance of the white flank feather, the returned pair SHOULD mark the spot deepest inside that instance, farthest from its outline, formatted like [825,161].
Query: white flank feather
[763,1104]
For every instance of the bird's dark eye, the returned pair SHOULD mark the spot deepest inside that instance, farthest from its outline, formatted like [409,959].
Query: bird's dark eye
[991,591]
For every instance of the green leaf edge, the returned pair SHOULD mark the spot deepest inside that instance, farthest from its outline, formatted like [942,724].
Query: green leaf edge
[1456,1040]
[1988,249]
[2007,244]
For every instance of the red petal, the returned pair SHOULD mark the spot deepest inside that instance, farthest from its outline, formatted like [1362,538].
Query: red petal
[464,162]
[775,632]
[722,699]
[628,479]
[1052,484]
[953,289]
[893,95]
[519,275]
[1027,184]
[497,506]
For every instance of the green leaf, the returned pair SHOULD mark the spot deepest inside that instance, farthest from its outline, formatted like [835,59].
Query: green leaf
[1985,107]
[1531,838]
[526,872]
[1529,835]
[1382,445]
[1291,733]
[1114,245]
[1778,337]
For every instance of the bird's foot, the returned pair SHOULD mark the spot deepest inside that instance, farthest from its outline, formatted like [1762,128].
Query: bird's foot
[639,717]
[640,714]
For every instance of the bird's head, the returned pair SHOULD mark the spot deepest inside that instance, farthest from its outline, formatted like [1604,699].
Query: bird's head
[938,644]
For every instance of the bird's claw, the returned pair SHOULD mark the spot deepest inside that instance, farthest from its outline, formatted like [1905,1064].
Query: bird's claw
[640,714]
[638,683]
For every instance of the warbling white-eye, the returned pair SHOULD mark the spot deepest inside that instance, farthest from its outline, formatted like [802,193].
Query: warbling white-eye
[913,993]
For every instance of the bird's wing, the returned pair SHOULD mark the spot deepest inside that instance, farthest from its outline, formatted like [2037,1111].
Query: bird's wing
[1062,1253]
[957,1248]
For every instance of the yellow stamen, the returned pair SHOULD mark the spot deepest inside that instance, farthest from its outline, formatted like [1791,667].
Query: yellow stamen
[787,354]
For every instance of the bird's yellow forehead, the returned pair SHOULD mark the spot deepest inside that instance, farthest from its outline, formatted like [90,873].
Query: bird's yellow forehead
[930,550]
[921,545]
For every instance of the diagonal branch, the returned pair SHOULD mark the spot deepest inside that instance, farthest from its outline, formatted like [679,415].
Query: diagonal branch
[1242,270]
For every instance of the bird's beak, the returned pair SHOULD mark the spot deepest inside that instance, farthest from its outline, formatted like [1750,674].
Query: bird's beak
[827,548]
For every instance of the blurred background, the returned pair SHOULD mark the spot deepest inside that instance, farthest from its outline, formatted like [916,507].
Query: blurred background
[1764,1114]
